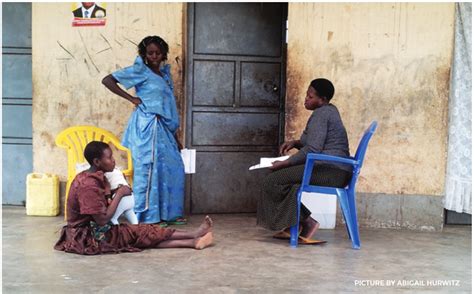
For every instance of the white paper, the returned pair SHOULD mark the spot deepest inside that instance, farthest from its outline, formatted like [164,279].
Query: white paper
[189,160]
[267,162]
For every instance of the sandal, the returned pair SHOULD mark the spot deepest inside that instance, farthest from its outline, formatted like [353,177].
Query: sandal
[162,224]
[285,234]
[178,221]
[307,241]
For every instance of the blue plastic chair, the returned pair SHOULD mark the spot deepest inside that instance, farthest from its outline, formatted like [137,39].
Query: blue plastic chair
[346,196]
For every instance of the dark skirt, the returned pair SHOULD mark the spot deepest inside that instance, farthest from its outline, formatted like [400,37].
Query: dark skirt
[119,238]
[276,208]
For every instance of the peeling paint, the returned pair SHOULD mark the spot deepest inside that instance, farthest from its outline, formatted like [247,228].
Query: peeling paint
[47,139]
[330,34]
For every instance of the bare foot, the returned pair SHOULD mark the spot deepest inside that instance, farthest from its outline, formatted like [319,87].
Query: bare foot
[204,241]
[310,227]
[205,227]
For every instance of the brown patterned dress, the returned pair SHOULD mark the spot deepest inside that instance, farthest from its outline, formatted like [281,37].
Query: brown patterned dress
[82,236]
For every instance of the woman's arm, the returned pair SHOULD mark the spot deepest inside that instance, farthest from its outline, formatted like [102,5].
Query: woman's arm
[316,133]
[298,144]
[103,219]
[284,148]
[111,83]
[287,146]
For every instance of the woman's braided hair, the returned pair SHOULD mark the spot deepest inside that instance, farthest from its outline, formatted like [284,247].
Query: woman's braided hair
[155,40]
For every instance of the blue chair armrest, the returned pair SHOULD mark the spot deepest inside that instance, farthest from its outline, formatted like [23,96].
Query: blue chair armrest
[325,157]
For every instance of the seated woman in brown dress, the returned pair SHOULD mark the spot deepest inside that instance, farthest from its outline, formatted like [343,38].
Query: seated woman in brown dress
[89,230]
[324,133]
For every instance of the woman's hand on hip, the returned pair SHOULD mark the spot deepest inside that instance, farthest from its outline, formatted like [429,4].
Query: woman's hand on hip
[136,101]
[178,142]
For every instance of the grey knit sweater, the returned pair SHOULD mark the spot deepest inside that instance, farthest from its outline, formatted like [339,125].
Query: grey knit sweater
[324,133]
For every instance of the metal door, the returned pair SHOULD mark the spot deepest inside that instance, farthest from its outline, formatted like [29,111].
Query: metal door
[235,100]
[16,101]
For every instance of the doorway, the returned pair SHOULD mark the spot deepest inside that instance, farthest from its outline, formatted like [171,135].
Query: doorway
[235,100]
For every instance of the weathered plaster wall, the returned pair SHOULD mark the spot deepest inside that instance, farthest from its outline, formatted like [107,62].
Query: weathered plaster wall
[70,62]
[390,63]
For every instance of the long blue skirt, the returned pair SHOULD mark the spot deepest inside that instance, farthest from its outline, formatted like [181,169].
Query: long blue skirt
[158,178]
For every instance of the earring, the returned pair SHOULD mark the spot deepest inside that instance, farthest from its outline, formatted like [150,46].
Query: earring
[146,61]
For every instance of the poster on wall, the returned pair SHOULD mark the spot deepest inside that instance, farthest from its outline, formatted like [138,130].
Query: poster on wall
[89,14]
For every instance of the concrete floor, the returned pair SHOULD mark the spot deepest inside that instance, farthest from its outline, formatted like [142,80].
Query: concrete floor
[245,259]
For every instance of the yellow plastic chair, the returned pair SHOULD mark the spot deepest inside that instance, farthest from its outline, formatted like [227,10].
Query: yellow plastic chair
[75,139]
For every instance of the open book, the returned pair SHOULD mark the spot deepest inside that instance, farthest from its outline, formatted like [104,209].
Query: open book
[267,162]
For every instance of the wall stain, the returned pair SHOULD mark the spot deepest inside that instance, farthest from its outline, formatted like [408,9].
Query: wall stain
[62,109]
[342,58]
[85,61]
[47,138]
[330,34]
[295,113]
[408,97]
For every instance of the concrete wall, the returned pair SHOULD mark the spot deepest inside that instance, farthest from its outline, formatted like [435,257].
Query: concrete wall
[70,62]
[390,63]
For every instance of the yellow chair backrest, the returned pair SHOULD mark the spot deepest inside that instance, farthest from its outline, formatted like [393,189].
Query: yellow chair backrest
[75,139]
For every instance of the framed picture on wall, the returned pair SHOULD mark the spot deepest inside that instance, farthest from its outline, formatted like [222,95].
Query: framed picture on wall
[89,14]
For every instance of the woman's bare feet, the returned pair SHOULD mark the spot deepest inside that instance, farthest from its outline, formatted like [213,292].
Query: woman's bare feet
[205,227]
[204,241]
[310,227]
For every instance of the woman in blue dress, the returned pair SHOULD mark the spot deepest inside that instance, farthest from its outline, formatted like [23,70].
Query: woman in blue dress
[158,179]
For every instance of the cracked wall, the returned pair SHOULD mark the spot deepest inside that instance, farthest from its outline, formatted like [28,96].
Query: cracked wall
[70,62]
[390,63]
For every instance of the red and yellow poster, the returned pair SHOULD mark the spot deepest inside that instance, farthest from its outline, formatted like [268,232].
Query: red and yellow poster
[89,14]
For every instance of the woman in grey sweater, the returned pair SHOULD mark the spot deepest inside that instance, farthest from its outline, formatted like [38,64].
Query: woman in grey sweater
[324,133]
